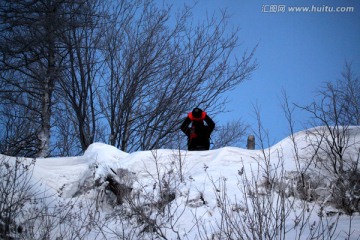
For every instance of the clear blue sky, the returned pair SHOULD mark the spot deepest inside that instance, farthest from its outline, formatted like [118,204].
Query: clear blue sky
[297,52]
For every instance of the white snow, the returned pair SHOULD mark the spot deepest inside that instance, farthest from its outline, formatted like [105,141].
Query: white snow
[205,175]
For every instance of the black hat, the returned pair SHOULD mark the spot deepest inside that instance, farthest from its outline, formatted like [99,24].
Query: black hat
[197,112]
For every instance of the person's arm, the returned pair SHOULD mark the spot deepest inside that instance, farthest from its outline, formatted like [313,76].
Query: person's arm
[210,123]
[185,125]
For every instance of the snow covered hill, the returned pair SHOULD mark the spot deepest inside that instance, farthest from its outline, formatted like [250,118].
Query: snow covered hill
[283,192]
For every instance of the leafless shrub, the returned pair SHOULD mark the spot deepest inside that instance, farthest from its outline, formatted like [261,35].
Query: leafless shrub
[29,211]
[119,185]
[335,151]
[59,219]
[154,205]
[144,209]
[328,171]
[266,211]
[15,191]
[273,203]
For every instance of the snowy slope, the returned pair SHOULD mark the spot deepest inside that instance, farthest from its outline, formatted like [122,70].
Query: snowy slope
[198,179]
[65,174]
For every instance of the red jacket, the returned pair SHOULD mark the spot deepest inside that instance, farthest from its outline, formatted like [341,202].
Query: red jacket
[198,133]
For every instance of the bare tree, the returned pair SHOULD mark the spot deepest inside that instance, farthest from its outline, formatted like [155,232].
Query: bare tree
[336,111]
[347,89]
[159,69]
[48,48]
[17,132]
[31,59]
[77,87]
[231,134]
[134,62]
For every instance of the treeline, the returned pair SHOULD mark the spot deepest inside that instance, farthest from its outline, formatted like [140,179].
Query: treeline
[121,72]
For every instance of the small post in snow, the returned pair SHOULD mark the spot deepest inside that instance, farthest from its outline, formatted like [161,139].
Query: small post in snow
[250,142]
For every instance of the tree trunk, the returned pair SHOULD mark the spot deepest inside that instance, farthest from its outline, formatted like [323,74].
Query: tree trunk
[48,86]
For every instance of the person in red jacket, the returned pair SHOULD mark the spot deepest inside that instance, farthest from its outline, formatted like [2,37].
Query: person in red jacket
[198,133]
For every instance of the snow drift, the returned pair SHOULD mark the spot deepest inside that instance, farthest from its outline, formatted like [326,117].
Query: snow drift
[284,191]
